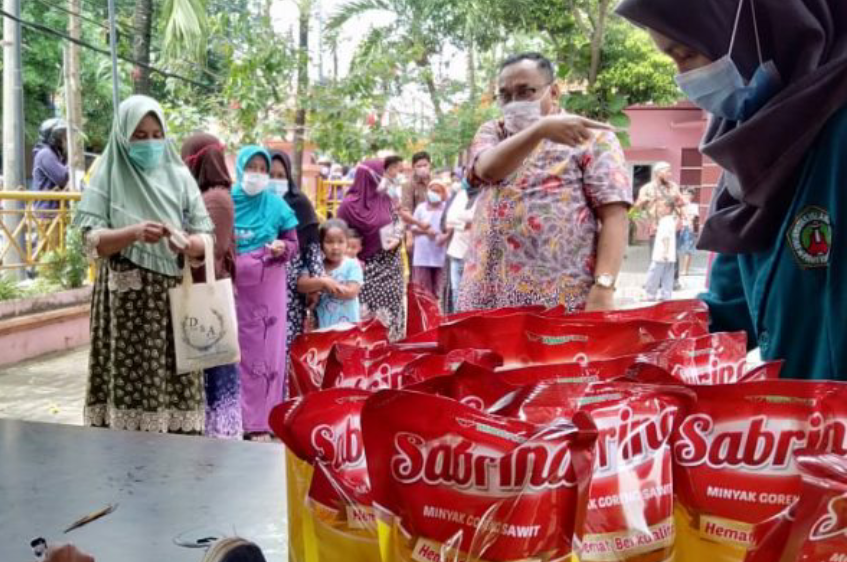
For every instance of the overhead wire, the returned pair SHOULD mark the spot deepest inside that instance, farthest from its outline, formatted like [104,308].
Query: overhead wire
[94,6]
[126,27]
[50,31]
[68,11]
[123,28]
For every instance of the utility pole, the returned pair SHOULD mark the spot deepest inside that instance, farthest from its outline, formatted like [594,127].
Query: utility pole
[320,44]
[14,162]
[302,92]
[70,146]
[73,96]
[113,49]
[335,59]
[141,45]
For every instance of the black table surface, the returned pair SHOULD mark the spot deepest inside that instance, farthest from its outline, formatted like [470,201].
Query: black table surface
[167,488]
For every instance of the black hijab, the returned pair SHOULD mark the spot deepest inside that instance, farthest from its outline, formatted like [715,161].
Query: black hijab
[762,157]
[307,218]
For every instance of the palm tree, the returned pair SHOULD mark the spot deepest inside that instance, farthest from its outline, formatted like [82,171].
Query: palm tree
[305,7]
[143,31]
[480,29]
[185,27]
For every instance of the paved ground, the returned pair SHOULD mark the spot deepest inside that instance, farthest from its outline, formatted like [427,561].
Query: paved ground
[51,389]
[634,274]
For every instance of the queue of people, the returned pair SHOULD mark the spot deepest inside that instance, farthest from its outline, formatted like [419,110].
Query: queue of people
[149,209]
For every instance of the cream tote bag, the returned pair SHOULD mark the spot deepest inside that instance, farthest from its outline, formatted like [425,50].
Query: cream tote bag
[204,320]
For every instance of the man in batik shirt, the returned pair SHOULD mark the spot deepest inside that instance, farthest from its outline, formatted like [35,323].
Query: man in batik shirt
[551,226]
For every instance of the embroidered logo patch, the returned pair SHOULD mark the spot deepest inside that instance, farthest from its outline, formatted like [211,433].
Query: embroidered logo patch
[810,237]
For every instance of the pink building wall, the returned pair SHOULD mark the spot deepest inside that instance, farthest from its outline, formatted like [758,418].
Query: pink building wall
[662,133]
[673,134]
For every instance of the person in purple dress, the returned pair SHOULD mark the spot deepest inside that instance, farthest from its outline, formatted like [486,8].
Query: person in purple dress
[266,241]
[371,210]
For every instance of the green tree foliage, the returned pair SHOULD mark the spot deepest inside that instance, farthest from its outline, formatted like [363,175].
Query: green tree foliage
[418,31]
[605,63]
[634,68]
[185,29]
[454,135]
[346,116]
[248,69]
[67,268]
[249,76]
[42,66]
[42,72]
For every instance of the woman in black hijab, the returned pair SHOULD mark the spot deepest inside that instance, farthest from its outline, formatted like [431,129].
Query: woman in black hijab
[773,76]
[310,261]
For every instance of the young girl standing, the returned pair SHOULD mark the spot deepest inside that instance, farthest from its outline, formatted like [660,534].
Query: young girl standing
[339,290]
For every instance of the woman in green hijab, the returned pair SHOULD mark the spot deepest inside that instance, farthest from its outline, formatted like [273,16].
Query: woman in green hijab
[141,214]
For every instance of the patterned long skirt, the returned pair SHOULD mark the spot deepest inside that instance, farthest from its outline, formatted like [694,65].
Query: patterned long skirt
[383,294]
[132,378]
[311,264]
[223,402]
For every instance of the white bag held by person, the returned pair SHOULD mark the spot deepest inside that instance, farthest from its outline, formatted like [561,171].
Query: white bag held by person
[204,320]
[390,234]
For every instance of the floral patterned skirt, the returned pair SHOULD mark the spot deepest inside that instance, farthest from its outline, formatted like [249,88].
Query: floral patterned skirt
[132,378]
[384,291]
[223,402]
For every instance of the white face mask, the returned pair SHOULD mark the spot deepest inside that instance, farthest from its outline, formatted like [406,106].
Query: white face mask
[280,187]
[519,115]
[386,184]
[254,183]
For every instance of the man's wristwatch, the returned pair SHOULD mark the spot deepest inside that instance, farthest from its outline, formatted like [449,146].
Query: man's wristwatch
[605,281]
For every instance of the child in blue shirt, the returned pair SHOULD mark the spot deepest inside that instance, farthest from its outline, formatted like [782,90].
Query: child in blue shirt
[339,301]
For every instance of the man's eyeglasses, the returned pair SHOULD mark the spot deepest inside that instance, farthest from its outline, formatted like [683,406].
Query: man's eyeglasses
[523,93]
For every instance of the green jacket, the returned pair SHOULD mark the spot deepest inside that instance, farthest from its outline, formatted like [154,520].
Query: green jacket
[792,300]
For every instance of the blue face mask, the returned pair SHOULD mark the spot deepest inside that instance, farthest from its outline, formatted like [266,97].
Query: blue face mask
[434,198]
[147,154]
[280,187]
[720,89]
